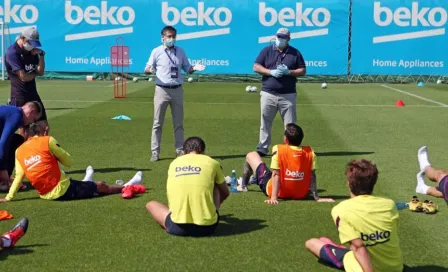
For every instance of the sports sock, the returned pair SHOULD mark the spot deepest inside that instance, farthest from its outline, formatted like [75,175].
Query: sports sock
[137,179]
[423,160]
[421,188]
[89,174]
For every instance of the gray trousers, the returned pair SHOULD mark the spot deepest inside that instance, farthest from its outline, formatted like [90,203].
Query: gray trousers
[175,99]
[285,104]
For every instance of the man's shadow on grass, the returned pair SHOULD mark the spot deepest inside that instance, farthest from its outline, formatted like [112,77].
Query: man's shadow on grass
[319,154]
[229,225]
[18,250]
[425,268]
[107,170]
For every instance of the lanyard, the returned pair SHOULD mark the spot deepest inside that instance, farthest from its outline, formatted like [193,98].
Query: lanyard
[166,52]
[282,55]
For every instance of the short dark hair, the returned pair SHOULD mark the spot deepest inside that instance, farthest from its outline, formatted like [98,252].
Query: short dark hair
[294,134]
[194,144]
[361,176]
[35,105]
[168,28]
[36,128]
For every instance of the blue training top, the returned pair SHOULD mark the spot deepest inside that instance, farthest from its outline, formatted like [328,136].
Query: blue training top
[11,118]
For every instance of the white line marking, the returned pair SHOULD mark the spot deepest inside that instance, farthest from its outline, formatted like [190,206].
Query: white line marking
[17,30]
[238,103]
[414,95]
[100,33]
[202,34]
[297,35]
[409,36]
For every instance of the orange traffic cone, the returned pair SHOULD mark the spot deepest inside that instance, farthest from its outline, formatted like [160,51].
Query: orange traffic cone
[399,103]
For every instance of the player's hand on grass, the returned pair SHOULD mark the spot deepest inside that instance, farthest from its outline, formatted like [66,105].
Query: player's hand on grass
[3,200]
[271,201]
[325,200]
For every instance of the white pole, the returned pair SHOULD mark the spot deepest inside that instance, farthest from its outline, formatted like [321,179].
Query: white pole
[3,51]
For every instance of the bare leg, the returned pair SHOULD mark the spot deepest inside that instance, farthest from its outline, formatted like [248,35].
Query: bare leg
[432,191]
[435,175]
[158,211]
[104,189]
[314,245]
[253,160]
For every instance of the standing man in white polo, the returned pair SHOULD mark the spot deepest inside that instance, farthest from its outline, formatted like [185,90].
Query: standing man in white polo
[166,62]
[280,65]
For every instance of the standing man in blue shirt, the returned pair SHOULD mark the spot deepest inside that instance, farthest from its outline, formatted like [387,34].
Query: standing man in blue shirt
[24,62]
[280,65]
[166,62]
[12,118]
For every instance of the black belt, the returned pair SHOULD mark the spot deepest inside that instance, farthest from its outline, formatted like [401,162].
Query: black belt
[169,86]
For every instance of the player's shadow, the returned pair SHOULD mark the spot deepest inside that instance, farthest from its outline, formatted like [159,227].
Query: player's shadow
[108,170]
[335,197]
[229,225]
[342,153]
[425,268]
[19,250]
[223,157]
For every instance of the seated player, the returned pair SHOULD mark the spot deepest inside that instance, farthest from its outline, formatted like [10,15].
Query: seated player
[10,238]
[11,119]
[38,159]
[195,190]
[293,172]
[369,224]
[433,174]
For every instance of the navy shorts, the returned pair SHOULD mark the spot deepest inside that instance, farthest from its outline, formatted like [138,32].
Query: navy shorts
[192,230]
[263,174]
[333,255]
[19,102]
[79,190]
[443,187]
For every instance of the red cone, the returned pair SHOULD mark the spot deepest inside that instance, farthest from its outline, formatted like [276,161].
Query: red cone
[399,103]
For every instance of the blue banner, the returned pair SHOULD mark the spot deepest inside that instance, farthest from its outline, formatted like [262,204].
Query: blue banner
[225,35]
[399,37]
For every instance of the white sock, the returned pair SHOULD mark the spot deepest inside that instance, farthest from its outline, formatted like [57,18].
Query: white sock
[137,179]
[422,155]
[89,174]
[6,241]
[421,188]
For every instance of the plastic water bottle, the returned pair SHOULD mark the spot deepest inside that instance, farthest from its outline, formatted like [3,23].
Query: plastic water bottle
[402,205]
[234,183]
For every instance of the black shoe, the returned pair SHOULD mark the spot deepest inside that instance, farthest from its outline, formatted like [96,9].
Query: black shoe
[261,154]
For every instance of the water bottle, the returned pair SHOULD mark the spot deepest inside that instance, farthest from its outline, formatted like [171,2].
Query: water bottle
[234,183]
[119,182]
[402,205]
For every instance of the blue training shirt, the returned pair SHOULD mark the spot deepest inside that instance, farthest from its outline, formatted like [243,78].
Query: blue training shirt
[11,118]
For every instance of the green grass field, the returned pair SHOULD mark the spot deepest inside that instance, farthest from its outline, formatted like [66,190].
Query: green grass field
[341,123]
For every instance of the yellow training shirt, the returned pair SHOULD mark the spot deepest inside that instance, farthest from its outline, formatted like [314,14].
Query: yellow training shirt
[374,220]
[274,160]
[62,156]
[191,180]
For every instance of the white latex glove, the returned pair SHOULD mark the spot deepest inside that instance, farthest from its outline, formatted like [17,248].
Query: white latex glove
[198,67]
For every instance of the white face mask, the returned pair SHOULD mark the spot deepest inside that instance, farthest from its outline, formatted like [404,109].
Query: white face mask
[28,47]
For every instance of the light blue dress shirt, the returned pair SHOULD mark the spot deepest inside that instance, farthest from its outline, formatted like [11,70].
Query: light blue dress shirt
[162,59]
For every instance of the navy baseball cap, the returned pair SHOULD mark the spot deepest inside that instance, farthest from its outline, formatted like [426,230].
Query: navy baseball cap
[32,35]
[283,33]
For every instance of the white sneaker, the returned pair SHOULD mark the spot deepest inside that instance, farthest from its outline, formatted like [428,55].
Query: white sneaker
[155,156]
